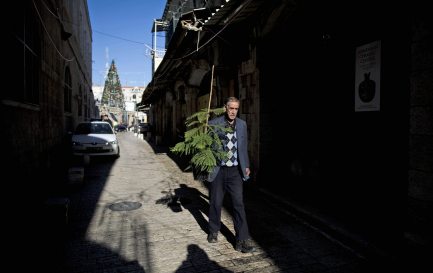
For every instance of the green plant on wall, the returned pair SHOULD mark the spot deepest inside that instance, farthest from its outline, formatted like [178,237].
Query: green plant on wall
[202,141]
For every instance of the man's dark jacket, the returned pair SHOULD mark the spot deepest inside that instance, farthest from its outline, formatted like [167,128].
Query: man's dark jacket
[242,141]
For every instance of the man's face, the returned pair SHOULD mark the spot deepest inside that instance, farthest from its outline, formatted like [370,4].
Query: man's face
[232,109]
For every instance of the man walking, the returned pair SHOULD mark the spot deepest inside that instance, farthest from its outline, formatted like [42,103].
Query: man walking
[229,175]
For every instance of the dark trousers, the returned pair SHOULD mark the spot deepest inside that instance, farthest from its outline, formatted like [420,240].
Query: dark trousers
[228,179]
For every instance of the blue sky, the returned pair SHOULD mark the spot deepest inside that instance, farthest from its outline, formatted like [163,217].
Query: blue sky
[130,22]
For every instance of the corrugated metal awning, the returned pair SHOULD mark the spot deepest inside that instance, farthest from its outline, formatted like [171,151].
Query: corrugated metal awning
[233,11]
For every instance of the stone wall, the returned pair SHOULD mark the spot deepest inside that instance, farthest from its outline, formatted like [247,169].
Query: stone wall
[420,184]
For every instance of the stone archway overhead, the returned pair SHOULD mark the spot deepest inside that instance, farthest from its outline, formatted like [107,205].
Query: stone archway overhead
[169,98]
[199,68]
[179,88]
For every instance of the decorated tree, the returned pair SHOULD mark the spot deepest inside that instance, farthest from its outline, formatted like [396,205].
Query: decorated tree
[112,95]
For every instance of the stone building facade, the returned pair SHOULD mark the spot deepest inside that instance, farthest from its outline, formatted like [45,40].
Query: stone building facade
[50,67]
[315,139]
[132,96]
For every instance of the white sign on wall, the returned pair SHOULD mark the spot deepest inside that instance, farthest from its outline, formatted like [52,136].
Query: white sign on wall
[367,77]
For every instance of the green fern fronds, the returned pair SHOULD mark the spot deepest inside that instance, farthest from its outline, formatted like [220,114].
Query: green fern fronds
[204,160]
[201,140]
[188,135]
[179,148]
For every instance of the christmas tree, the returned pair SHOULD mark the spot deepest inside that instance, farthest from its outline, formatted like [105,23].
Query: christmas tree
[112,95]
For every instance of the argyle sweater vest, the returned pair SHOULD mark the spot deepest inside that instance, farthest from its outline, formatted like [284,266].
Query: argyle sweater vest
[231,147]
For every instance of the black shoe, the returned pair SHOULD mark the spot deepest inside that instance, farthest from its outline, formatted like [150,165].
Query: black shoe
[245,246]
[212,237]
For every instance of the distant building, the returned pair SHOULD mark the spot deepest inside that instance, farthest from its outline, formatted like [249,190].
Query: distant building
[132,95]
[97,92]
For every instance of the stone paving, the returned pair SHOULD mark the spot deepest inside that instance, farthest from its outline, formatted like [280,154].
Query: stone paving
[141,213]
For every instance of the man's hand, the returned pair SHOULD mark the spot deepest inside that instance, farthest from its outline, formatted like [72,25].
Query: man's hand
[247,171]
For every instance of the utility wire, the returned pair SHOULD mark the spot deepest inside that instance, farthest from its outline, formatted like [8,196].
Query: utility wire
[97,31]
[117,37]
[231,18]
[49,36]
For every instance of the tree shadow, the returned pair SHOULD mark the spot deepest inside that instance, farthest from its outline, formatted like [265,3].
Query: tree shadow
[198,261]
[197,204]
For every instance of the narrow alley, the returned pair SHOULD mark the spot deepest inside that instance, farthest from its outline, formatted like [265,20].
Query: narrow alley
[337,99]
[141,213]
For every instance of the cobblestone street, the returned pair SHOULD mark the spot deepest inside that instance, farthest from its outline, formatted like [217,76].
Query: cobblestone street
[141,213]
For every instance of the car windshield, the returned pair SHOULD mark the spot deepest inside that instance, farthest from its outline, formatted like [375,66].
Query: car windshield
[93,128]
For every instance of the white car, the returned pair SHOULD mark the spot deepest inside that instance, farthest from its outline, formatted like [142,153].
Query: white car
[95,138]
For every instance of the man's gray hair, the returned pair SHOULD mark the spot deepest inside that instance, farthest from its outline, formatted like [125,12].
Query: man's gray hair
[231,99]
